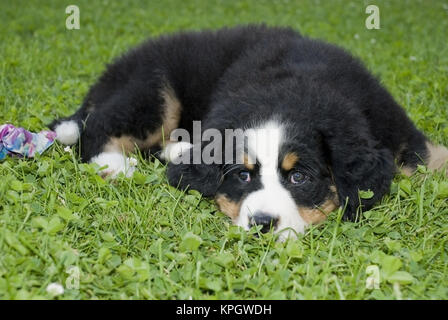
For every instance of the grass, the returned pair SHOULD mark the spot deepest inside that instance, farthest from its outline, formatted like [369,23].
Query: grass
[139,238]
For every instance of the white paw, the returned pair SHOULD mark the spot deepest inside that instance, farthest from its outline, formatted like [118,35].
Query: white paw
[175,150]
[115,163]
[67,132]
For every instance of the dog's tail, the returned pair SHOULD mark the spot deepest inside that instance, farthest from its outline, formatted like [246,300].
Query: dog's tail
[68,130]
[437,158]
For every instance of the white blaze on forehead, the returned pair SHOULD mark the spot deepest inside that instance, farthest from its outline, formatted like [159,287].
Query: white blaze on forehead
[264,146]
[273,199]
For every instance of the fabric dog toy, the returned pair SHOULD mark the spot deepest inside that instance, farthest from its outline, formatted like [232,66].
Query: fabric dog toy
[20,142]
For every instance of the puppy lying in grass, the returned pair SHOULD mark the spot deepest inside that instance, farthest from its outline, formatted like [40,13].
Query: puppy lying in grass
[317,126]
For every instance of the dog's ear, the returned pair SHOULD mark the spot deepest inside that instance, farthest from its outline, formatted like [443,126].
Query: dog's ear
[357,164]
[202,177]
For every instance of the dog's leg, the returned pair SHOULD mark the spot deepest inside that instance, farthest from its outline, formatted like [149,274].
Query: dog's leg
[173,150]
[128,120]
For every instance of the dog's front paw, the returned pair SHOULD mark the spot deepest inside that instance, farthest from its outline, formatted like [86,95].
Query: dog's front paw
[113,163]
[174,150]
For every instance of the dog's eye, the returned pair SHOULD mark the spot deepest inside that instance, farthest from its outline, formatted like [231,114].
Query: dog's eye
[297,178]
[244,176]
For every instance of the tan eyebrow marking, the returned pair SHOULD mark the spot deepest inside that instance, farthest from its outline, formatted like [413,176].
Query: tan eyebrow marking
[289,161]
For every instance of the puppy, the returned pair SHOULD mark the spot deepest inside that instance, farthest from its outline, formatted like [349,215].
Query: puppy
[318,127]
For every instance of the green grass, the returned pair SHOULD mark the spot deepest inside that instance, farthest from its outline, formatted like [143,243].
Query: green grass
[139,238]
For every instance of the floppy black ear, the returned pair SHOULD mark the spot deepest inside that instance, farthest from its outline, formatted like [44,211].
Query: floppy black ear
[358,163]
[204,178]
[184,173]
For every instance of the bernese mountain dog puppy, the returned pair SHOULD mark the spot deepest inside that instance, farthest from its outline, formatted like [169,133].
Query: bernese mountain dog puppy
[318,127]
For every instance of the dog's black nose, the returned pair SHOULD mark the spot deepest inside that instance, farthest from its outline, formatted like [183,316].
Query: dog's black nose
[265,220]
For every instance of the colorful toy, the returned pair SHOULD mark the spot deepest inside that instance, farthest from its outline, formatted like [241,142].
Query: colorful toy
[20,142]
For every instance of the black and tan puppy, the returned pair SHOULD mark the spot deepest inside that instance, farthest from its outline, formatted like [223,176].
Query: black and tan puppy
[324,126]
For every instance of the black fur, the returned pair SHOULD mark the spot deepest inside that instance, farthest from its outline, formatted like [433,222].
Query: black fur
[338,116]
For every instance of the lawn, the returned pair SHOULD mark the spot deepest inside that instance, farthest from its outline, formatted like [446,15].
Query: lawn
[139,238]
